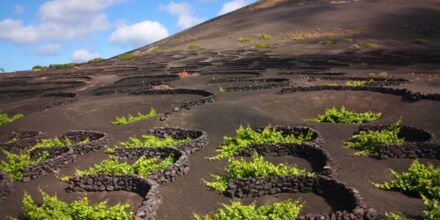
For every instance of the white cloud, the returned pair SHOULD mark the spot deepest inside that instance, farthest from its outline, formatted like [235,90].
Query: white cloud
[48,50]
[18,9]
[232,6]
[183,12]
[138,34]
[83,55]
[59,20]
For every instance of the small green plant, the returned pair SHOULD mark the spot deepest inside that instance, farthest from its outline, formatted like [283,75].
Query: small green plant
[354,83]
[368,142]
[370,45]
[131,119]
[244,39]
[265,37]
[298,37]
[257,167]
[246,137]
[54,208]
[5,119]
[421,41]
[96,60]
[221,90]
[276,211]
[38,67]
[126,56]
[348,40]
[394,216]
[61,66]
[420,179]
[15,164]
[194,46]
[343,116]
[432,211]
[152,141]
[328,41]
[262,45]
[143,166]
[57,142]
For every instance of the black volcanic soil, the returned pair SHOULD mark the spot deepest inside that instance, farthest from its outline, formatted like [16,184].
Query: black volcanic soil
[392,25]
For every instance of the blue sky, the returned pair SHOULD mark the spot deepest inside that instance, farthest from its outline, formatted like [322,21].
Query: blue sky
[42,32]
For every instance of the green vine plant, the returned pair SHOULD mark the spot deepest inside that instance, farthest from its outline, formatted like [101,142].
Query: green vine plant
[131,119]
[422,180]
[343,116]
[5,118]
[257,167]
[276,211]
[245,137]
[368,142]
[354,83]
[142,167]
[57,142]
[15,164]
[149,141]
[54,208]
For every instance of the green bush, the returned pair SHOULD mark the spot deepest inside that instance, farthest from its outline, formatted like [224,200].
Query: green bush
[432,211]
[54,208]
[348,40]
[244,39]
[194,46]
[56,142]
[298,37]
[343,116]
[38,67]
[152,141]
[143,166]
[262,45]
[420,179]
[277,211]
[131,119]
[354,83]
[265,37]
[16,163]
[370,45]
[327,41]
[369,141]
[221,90]
[5,119]
[246,137]
[126,56]
[257,167]
[421,41]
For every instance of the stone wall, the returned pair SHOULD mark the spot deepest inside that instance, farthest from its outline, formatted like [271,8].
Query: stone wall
[261,84]
[418,144]
[199,139]
[5,186]
[329,188]
[23,140]
[179,168]
[406,94]
[97,140]
[148,189]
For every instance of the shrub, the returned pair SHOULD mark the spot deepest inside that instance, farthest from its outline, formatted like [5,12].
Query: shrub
[257,167]
[421,41]
[265,37]
[370,45]
[38,67]
[15,164]
[432,211]
[152,141]
[5,119]
[276,211]
[126,56]
[96,60]
[368,142]
[420,179]
[221,90]
[143,166]
[244,39]
[327,41]
[56,142]
[54,208]
[131,119]
[262,45]
[343,116]
[298,37]
[348,40]
[354,83]
[194,46]
[246,137]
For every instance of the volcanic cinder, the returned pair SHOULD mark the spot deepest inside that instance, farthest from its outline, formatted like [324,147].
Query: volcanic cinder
[206,82]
